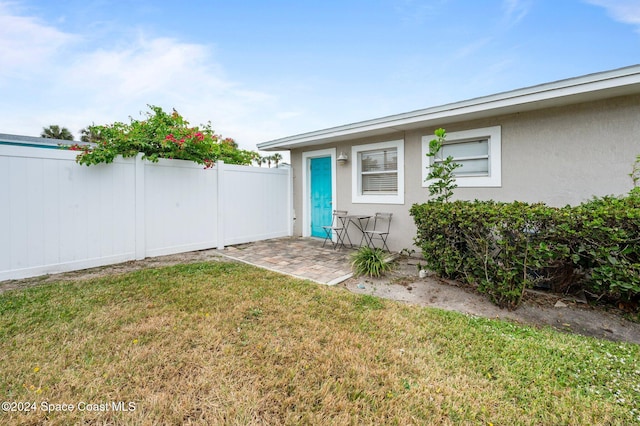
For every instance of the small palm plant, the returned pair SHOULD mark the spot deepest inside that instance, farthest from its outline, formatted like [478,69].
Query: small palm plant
[368,261]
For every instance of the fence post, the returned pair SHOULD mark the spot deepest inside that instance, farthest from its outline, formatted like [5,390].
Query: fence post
[290,208]
[220,192]
[140,232]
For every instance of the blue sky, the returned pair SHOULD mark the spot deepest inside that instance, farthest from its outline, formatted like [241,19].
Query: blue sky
[260,70]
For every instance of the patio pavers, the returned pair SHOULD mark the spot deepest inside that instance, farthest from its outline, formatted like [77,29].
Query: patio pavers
[300,257]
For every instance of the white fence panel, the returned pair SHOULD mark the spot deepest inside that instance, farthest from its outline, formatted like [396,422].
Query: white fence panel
[255,203]
[180,207]
[57,216]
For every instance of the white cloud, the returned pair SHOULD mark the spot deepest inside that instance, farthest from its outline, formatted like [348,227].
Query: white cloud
[144,67]
[515,11]
[472,48]
[26,44]
[625,11]
[50,80]
[119,82]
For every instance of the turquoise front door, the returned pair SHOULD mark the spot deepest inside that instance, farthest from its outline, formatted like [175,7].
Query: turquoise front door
[320,193]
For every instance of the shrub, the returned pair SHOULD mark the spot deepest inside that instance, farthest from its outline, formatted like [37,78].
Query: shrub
[161,135]
[604,235]
[498,246]
[503,248]
[368,261]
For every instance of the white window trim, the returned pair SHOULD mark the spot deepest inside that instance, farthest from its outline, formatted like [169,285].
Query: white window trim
[493,134]
[356,181]
[306,185]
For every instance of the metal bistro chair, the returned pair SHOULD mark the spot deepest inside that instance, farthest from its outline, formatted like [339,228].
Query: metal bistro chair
[379,231]
[338,227]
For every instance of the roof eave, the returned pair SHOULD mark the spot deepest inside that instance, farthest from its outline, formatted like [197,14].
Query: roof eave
[623,81]
[32,140]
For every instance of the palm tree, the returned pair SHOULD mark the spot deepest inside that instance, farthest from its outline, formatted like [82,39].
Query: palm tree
[90,135]
[276,158]
[55,132]
[261,160]
[256,157]
[268,158]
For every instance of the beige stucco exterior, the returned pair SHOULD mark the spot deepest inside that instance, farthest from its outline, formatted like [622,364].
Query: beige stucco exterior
[559,155]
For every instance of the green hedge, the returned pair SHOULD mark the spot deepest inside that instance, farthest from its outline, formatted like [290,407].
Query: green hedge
[507,247]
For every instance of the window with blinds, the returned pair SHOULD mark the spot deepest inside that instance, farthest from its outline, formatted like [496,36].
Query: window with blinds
[473,156]
[379,171]
[478,151]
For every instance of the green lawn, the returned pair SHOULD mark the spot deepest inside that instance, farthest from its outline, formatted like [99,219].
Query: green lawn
[226,343]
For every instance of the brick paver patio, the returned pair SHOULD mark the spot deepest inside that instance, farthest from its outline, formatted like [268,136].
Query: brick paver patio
[299,257]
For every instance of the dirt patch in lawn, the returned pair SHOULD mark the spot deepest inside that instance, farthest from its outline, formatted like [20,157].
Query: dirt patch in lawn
[567,314]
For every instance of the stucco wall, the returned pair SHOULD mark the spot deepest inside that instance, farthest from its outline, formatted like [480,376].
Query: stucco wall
[559,156]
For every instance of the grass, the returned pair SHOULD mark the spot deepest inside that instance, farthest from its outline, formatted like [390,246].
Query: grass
[225,343]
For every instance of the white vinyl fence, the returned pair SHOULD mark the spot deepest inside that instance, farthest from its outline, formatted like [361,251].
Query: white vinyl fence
[56,215]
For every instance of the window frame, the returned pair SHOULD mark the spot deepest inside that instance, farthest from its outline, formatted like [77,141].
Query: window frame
[494,177]
[356,174]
